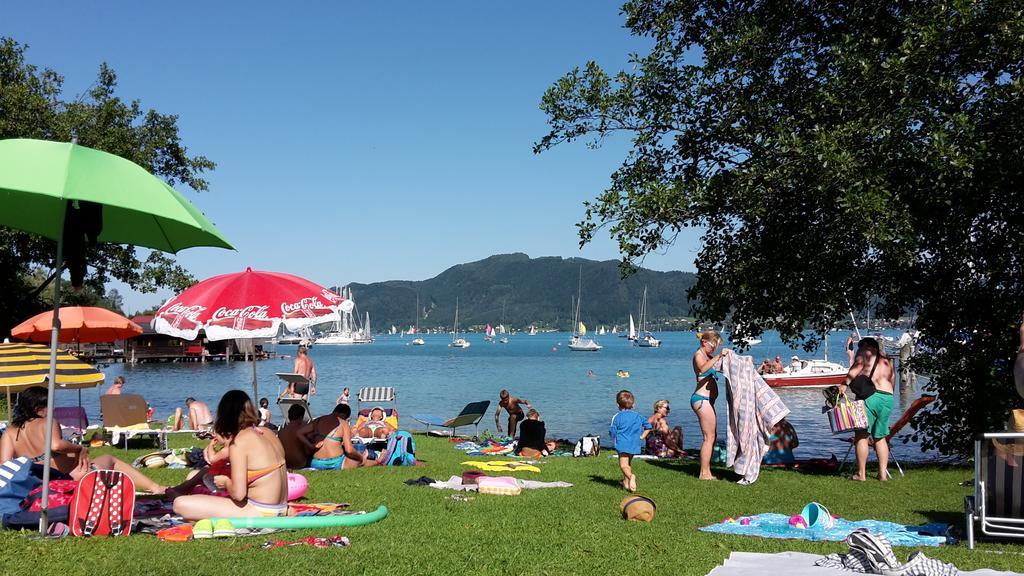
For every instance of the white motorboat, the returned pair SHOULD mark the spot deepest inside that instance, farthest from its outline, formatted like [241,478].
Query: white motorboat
[815,373]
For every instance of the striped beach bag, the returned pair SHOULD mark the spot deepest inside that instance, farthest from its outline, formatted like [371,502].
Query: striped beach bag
[847,416]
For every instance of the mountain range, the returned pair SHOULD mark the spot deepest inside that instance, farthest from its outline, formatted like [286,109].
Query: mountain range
[520,291]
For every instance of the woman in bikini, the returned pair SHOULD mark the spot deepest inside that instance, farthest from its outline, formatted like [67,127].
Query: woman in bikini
[258,482]
[27,437]
[376,426]
[335,451]
[703,398]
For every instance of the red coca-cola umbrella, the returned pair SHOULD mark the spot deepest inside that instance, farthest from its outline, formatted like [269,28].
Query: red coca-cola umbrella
[250,304]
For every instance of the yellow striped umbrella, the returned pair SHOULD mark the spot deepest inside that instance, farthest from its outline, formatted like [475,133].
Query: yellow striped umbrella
[25,365]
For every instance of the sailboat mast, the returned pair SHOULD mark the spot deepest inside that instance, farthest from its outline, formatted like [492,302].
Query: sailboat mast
[579,296]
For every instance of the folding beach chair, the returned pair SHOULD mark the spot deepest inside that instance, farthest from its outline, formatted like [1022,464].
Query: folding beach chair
[376,395]
[470,415]
[363,418]
[910,412]
[126,416]
[72,420]
[285,405]
[998,501]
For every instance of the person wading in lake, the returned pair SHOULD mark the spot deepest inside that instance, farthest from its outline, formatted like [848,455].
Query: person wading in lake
[871,379]
[511,404]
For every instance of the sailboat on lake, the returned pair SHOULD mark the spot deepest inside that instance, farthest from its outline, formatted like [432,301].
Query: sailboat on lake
[418,340]
[457,342]
[645,338]
[579,342]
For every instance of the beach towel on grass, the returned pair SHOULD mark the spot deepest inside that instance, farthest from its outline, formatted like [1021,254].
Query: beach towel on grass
[754,409]
[455,483]
[795,564]
[777,526]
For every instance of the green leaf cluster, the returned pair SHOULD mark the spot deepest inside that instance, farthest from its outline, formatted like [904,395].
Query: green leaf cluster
[33,105]
[836,155]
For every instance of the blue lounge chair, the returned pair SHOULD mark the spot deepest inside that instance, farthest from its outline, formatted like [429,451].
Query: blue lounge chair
[470,415]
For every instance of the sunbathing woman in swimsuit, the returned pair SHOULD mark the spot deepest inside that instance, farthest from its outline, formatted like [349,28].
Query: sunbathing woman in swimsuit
[258,482]
[27,437]
[703,399]
[334,449]
[376,426]
[664,442]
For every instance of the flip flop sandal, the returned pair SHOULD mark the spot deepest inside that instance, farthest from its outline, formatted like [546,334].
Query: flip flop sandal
[876,548]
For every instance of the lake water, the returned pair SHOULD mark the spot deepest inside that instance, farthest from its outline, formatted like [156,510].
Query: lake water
[434,379]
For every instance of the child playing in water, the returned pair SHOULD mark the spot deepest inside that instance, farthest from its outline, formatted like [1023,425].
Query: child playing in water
[343,399]
[628,429]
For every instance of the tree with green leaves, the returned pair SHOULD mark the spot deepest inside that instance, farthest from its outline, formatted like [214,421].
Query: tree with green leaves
[835,156]
[32,106]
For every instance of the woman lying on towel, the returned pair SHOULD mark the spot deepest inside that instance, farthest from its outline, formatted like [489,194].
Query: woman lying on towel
[27,437]
[376,426]
[258,481]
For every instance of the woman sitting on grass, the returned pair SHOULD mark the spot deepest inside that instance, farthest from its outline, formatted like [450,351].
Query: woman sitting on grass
[258,481]
[27,437]
[334,450]
[663,442]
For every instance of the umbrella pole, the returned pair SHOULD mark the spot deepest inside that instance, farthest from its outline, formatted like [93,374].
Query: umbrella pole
[9,404]
[255,395]
[44,511]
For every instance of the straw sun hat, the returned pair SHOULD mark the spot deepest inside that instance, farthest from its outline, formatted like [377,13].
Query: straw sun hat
[640,508]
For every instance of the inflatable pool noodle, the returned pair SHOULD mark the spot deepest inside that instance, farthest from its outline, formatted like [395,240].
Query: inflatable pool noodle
[307,522]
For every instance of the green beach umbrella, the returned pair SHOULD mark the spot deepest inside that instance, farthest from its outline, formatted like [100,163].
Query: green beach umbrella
[49,187]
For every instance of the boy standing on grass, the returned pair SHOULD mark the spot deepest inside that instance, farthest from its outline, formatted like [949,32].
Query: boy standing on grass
[628,429]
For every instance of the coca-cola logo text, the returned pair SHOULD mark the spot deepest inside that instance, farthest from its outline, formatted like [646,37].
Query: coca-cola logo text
[254,312]
[190,312]
[312,303]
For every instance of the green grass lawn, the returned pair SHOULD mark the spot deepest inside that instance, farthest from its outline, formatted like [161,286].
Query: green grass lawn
[574,530]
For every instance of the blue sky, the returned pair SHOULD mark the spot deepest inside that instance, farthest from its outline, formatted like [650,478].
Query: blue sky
[358,142]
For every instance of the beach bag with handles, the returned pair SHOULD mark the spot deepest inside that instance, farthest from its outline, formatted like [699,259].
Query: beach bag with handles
[103,504]
[587,446]
[847,415]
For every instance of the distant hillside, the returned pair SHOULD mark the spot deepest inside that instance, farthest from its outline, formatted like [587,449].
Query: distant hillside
[533,290]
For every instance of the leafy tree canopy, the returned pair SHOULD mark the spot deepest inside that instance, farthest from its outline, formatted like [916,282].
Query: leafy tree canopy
[32,105]
[836,154]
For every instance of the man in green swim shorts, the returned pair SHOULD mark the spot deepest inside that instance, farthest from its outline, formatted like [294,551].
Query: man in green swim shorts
[871,364]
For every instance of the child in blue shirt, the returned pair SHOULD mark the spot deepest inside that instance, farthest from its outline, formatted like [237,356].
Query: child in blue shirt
[628,429]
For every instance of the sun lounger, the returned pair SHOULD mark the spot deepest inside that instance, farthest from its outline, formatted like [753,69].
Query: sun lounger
[470,415]
[390,417]
[376,395]
[997,505]
[72,420]
[126,416]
